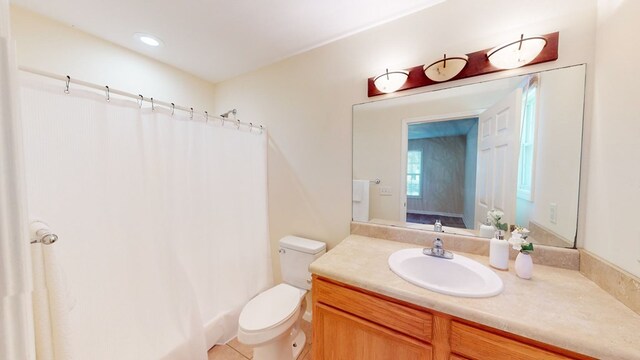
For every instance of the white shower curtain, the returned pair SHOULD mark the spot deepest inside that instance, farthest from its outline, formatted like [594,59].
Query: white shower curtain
[16,334]
[162,220]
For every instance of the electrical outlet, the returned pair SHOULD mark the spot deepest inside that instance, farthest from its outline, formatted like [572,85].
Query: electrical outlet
[553,213]
[384,191]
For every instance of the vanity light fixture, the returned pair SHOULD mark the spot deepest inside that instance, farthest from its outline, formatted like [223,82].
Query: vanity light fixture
[446,68]
[517,53]
[523,52]
[391,81]
[148,39]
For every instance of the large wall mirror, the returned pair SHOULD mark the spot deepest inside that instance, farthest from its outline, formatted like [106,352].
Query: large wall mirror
[512,145]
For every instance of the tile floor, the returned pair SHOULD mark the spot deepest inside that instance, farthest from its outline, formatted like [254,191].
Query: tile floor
[234,350]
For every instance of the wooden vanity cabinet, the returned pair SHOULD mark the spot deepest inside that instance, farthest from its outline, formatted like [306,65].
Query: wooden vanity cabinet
[354,324]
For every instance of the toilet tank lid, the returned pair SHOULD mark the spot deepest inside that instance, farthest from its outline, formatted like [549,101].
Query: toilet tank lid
[301,244]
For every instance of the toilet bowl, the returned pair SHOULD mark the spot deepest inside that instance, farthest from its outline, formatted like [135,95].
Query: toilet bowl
[270,322]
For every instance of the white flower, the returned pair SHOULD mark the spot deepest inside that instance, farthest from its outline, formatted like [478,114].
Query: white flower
[496,215]
[516,242]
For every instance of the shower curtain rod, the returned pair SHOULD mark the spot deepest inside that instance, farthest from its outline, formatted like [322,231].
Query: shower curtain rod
[108,91]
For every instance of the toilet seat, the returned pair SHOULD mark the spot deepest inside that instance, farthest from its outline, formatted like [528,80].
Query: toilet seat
[270,308]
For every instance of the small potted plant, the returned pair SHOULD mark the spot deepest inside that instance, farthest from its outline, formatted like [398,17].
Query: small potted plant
[495,217]
[524,263]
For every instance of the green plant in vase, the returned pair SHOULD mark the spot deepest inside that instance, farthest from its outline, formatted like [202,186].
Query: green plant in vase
[495,218]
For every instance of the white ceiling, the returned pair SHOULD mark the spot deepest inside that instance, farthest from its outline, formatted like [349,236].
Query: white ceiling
[219,39]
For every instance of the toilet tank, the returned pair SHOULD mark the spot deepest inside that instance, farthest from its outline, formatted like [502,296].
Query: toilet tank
[296,254]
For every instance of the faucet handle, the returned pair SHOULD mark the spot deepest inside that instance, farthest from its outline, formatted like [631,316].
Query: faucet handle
[438,250]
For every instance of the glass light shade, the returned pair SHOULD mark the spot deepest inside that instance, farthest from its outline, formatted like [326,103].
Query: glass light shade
[517,53]
[391,81]
[446,68]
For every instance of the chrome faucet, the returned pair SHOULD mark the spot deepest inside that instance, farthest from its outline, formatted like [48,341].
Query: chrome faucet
[438,250]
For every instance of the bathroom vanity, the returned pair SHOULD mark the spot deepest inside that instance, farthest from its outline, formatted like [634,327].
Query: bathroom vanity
[372,326]
[361,310]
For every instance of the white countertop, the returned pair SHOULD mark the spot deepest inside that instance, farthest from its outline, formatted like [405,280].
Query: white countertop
[557,306]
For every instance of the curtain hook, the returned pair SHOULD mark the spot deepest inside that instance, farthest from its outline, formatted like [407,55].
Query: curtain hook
[238,124]
[250,126]
[173,108]
[108,93]
[191,114]
[66,87]
[206,116]
[141,100]
[261,129]
[153,108]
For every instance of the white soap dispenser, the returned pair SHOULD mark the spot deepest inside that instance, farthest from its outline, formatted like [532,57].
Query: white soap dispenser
[499,252]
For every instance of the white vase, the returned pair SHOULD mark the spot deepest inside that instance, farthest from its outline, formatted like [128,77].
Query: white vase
[524,265]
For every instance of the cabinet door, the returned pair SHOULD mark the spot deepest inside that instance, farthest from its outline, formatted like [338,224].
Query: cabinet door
[339,336]
[475,343]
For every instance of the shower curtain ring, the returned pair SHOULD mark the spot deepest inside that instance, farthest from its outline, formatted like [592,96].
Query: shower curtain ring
[108,94]
[141,100]
[152,105]
[250,126]
[206,116]
[191,114]
[173,108]
[66,87]
[261,129]
[238,124]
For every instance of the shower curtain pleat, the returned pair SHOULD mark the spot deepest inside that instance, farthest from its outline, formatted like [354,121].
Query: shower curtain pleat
[16,330]
[162,220]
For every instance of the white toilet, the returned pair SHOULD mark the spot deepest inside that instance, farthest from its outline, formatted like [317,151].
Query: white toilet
[270,322]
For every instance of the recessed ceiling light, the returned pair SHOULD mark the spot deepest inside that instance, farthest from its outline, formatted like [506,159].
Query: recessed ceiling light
[148,39]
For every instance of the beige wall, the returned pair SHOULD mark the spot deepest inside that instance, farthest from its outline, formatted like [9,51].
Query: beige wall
[613,178]
[306,100]
[54,47]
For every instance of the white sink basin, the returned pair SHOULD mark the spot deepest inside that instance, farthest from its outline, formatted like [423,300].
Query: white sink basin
[459,276]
